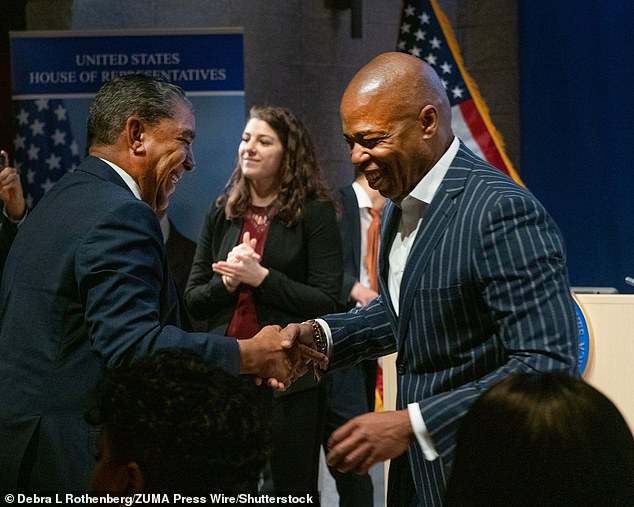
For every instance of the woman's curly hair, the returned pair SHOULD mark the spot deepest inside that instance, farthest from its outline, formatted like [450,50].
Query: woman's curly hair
[299,177]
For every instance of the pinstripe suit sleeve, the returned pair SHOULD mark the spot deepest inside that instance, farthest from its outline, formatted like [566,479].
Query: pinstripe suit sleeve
[520,266]
[362,333]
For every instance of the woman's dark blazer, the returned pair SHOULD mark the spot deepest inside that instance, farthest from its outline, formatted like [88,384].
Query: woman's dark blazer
[304,263]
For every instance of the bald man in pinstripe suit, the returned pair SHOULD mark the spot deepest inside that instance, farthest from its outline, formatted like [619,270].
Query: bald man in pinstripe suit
[472,283]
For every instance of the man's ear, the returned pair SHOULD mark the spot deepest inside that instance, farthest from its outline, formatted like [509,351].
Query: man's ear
[428,120]
[136,482]
[135,135]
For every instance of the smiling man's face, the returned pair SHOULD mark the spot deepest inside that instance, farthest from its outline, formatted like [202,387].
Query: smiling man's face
[169,152]
[386,142]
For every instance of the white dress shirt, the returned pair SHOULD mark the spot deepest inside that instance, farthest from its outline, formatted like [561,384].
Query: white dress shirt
[413,209]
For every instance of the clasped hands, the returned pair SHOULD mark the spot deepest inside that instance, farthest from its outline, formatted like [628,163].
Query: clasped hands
[278,357]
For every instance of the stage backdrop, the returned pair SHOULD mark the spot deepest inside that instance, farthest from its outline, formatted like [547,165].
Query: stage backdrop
[55,75]
[577,133]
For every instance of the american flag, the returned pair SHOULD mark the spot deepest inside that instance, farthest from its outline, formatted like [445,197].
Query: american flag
[426,33]
[44,147]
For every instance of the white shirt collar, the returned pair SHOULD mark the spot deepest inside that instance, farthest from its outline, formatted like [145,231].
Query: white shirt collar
[128,180]
[427,187]
[362,196]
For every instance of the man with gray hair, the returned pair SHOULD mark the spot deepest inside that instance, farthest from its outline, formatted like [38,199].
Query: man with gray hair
[87,286]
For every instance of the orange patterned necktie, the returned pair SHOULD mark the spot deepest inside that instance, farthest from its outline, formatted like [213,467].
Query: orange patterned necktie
[372,267]
[372,255]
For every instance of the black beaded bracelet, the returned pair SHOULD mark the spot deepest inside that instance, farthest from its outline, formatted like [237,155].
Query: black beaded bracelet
[319,338]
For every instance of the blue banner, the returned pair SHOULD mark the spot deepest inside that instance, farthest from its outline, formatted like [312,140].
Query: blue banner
[81,63]
[55,75]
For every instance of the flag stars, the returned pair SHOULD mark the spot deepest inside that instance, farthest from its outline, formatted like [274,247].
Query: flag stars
[53,162]
[401,45]
[444,82]
[415,51]
[47,185]
[430,59]
[446,68]
[424,18]
[59,137]
[74,149]
[33,152]
[19,142]
[29,201]
[60,112]
[23,117]
[410,10]
[41,104]
[405,28]
[457,92]
[420,35]
[435,43]
[30,176]
[37,127]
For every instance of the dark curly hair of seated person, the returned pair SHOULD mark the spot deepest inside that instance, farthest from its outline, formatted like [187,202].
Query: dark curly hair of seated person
[186,425]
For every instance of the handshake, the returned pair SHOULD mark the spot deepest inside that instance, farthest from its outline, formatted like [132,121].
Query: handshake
[280,356]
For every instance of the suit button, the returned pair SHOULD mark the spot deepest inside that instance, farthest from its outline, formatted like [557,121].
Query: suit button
[400,369]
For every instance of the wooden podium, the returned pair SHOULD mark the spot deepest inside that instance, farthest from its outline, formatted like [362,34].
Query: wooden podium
[610,367]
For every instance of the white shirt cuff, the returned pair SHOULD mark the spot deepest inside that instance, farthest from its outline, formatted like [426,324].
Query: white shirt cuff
[420,430]
[328,332]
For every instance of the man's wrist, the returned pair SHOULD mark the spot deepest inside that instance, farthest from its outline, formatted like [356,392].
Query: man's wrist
[419,429]
[15,218]
[246,363]
[321,338]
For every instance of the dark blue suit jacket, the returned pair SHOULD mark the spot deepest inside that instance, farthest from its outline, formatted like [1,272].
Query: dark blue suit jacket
[350,228]
[86,285]
[485,292]
[7,233]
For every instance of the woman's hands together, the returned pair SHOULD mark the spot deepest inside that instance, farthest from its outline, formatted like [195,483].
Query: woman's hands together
[242,266]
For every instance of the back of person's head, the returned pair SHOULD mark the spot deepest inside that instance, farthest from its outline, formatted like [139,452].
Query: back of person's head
[542,440]
[147,98]
[172,423]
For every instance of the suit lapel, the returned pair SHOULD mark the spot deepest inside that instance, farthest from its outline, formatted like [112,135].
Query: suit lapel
[389,227]
[356,234]
[440,212]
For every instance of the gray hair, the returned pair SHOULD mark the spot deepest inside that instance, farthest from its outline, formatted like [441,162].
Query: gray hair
[148,98]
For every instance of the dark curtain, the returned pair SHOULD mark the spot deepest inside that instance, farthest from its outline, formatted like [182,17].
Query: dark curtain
[577,129]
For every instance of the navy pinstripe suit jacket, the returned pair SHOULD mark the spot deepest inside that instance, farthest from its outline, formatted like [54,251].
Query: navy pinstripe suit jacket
[485,293]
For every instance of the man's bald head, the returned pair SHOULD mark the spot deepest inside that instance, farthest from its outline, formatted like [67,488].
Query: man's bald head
[402,82]
[396,118]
